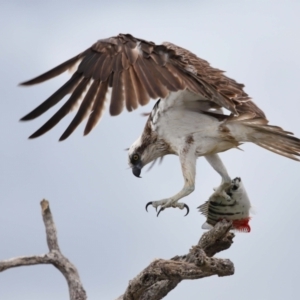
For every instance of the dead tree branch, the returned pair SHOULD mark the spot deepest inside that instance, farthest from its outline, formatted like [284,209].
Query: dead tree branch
[162,276]
[54,257]
[155,281]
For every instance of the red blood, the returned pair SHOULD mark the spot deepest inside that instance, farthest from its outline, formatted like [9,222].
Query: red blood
[241,225]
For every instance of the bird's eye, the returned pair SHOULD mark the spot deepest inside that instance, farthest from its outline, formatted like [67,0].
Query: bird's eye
[135,157]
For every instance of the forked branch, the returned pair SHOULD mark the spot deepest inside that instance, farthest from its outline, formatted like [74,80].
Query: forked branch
[54,257]
[155,281]
[162,276]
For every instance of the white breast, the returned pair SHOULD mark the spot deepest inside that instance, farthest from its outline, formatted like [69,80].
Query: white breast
[174,121]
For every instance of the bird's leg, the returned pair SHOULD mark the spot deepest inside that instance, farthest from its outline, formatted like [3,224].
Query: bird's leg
[217,164]
[188,165]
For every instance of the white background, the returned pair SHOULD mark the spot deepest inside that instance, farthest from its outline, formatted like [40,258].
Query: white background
[98,205]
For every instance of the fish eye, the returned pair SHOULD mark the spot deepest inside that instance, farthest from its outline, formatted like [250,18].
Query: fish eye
[135,157]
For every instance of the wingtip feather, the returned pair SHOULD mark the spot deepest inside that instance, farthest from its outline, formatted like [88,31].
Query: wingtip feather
[33,136]
[26,118]
[62,138]
[87,130]
[27,83]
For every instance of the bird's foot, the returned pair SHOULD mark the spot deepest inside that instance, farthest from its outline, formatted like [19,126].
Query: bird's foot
[165,204]
[235,184]
[222,191]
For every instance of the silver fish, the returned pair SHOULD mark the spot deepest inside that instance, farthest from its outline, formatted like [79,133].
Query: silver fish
[235,209]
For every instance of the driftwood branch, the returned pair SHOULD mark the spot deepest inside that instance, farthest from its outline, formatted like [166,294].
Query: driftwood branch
[54,257]
[155,281]
[162,276]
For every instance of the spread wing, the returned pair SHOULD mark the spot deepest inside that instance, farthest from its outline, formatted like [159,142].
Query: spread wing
[133,71]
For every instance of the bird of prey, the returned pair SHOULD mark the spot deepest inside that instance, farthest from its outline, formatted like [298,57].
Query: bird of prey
[187,120]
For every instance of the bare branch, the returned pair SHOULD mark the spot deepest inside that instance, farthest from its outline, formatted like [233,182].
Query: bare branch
[161,276]
[155,281]
[50,226]
[54,257]
[24,261]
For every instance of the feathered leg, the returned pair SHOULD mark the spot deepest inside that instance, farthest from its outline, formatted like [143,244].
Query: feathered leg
[215,161]
[188,165]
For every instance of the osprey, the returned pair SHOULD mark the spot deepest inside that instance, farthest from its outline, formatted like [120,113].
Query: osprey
[187,120]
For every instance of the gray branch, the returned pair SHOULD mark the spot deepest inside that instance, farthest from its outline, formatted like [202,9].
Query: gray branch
[162,276]
[155,281]
[54,257]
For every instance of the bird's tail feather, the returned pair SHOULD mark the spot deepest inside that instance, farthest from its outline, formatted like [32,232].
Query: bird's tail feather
[272,138]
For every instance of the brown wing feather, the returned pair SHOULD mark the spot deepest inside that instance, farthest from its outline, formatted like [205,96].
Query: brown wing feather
[89,68]
[83,110]
[136,70]
[117,96]
[230,94]
[132,54]
[144,79]
[54,98]
[125,61]
[171,82]
[98,108]
[106,68]
[57,70]
[130,94]
[140,91]
[64,110]
[157,86]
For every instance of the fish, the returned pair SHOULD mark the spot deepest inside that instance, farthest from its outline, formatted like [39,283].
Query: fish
[235,209]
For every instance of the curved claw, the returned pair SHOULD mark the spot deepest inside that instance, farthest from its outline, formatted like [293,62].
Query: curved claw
[160,210]
[187,209]
[149,203]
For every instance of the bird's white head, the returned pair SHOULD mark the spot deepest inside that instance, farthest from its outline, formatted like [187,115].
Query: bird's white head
[146,149]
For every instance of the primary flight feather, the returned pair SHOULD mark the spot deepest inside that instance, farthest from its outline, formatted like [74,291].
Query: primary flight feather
[187,120]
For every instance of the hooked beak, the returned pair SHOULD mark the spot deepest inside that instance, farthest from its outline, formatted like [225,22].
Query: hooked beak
[136,170]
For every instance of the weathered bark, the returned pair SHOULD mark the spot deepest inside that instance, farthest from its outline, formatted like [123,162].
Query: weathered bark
[155,281]
[162,276]
[54,257]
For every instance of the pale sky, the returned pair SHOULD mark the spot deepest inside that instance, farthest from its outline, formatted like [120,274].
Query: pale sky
[97,204]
